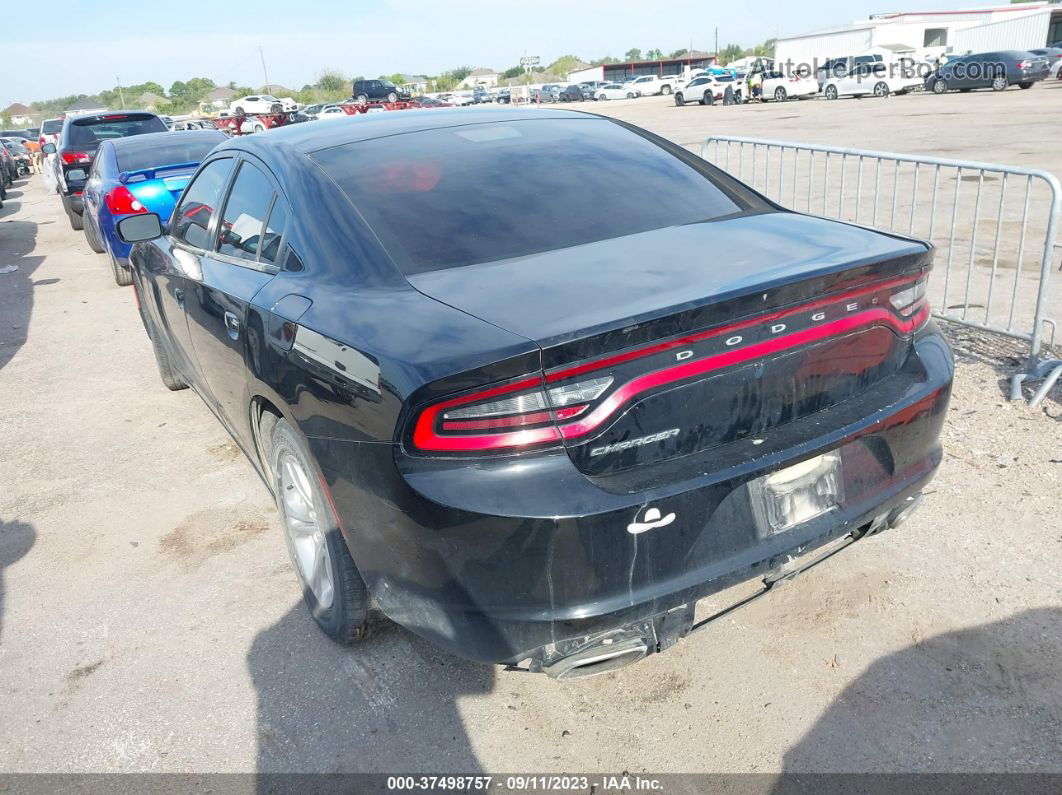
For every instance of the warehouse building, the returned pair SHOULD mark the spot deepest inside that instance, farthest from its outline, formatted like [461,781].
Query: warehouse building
[622,72]
[927,35]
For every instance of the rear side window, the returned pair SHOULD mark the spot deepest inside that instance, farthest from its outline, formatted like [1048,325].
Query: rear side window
[240,233]
[274,232]
[88,132]
[52,126]
[191,218]
[171,149]
[484,192]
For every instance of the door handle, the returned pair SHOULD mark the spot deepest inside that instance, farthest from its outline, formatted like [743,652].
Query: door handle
[232,325]
[178,295]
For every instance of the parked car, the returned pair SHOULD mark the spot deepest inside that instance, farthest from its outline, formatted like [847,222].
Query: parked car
[995,70]
[20,156]
[780,87]
[839,67]
[615,91]
[50,129]
[649,85]
[378,91]
[705,89]
[23,134]
[570,94]
[873,79]
[78,141]
[1054,60]
[331,112]
[262,103]
[432,102]
[136,175]
[587,447]
[587,91]
[313,110]
[505,96]
[550,92]
[6,170]
[480,94]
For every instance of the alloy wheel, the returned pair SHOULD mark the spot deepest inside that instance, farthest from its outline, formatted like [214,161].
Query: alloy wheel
[306,536]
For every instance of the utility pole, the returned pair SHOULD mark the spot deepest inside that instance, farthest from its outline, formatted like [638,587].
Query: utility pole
[717,45]
[264,72]
[120,94]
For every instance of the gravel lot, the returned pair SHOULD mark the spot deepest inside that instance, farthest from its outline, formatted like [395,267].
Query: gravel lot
[149,618]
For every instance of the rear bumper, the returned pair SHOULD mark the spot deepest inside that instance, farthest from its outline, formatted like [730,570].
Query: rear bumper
[513,560]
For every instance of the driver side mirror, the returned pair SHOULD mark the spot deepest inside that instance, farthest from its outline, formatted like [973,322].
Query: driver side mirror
[137,228]
[48,149]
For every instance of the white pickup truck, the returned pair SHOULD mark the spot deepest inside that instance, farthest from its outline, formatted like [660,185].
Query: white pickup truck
[648,85]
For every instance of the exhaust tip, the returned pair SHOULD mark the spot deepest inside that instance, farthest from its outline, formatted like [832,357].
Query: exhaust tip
[901,513]
[599,659]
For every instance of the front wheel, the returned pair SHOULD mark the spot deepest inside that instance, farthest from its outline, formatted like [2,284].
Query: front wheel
[831,92]
[779,94]
[881,89]
[630,95]
[239,113]
[167,373]
[276,109]
[940,86]
[392,97]
[602,98]
[332,586]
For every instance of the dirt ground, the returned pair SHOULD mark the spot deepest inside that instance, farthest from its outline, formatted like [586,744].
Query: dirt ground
[149,618]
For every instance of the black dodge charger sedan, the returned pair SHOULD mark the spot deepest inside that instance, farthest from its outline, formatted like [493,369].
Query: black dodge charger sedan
[535,414]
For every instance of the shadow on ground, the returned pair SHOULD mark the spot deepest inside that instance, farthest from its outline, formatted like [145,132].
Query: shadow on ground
[985,699]
[16,539]
[386,704]
[17,240]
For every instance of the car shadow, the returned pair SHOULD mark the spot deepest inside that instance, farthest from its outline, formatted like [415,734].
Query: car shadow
[978,700]
[17,238]
[16,539]
[387,703]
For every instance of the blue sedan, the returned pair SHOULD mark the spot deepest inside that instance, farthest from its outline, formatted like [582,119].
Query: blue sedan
[139,174]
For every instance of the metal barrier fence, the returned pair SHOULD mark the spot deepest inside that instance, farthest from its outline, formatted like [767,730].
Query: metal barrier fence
[994,226]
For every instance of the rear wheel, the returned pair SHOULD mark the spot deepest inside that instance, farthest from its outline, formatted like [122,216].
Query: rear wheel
[362,99]
[602,98]
[1025,85]
[709,97]
[940,86]
[780,95]
[276,108]
[630,95]
[665,90]
[831,92]
[91,239]
[999,83]
[881,89]
[123,276]
[239,113]
[76,222]
[331,584]
[678,99]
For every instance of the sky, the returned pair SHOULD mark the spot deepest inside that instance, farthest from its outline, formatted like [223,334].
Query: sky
[164,42]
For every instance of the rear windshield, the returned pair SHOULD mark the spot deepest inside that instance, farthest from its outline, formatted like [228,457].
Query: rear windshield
[167,150]
[484,192]
[87,132]
[52,126]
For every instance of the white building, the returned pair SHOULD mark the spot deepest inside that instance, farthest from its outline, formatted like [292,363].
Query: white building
[926,35]
[487,78]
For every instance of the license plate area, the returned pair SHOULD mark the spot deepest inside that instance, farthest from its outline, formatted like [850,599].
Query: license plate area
[796,494]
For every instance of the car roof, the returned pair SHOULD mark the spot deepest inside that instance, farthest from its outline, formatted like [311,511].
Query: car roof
[135,141]
[308,138]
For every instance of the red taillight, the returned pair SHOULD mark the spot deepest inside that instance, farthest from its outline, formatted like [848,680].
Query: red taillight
[1024,64]
[121,202]
[578,400]
[70,158]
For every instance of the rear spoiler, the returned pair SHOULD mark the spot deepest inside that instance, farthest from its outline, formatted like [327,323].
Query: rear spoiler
[145,174]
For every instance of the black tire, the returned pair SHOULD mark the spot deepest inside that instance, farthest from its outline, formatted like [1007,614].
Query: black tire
[831,92]
[940,86]
[709,97]
[881,89]
[965,90]
[780,95]
[392,97]
[1026,84]
[665,90]
[91,239]
[123,276]
[679,102]
[362,99]
[275,108]
[346,620]
[602,98]
[76,221]
[169,376]
[1000,83]
[239,113]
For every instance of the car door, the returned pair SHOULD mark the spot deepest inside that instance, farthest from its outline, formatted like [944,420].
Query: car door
[92,195]
[240,262]
[173,264]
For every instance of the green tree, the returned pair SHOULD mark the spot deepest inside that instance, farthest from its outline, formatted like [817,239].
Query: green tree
[730,52]
[633,54]
[679,53]
[565,64]
[654,55]
[512,71]
[605,60]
